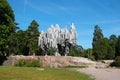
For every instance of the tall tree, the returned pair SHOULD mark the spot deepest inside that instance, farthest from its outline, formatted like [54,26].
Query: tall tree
[7,26]
[113,39]
[33,34]
[98,36]
[112,42]
[118,47]
[19,43]
[100,51]
[110,50]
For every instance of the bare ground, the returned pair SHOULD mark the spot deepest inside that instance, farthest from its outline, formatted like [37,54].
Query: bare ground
[102,74]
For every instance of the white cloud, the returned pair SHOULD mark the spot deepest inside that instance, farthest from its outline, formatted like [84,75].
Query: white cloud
[36,7]
[50,8]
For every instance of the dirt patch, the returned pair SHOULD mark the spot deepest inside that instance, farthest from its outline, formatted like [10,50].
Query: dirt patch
[102,74]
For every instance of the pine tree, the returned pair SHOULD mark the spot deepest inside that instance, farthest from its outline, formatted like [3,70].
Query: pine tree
[112,42]
[18,44]
[7,26]
[33,34]
[118,47]
[98,36]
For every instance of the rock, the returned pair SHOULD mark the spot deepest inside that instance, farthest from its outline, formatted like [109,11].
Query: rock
[80,61]
[58,61]
[41,69]
[107,61]
[101,65]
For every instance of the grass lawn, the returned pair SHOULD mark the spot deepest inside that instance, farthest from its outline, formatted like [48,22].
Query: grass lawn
[27,73]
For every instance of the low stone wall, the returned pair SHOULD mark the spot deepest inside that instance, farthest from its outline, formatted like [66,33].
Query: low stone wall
[53,61]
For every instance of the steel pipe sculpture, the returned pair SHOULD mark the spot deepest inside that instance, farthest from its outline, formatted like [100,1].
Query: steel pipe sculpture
[58,39]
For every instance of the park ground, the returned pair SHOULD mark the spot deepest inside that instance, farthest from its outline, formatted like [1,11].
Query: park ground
[29,73]
[102,74]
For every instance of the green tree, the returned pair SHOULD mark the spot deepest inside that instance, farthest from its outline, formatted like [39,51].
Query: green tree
[76,51]
[113,39]
[102,47]
[101,51]
[33,34]
[98,36]
[7,26]
[88,53]
[118,47]
[110,51]
[22,42]
[19,43]
[112,42]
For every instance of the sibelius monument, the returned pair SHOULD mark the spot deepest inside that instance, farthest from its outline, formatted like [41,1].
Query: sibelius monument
[58,39]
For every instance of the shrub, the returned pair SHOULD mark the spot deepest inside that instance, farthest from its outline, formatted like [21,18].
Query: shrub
[28,63]
[116,62]
[92,57]
[117,58]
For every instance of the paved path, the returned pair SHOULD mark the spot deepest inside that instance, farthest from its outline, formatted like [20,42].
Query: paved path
[102,74]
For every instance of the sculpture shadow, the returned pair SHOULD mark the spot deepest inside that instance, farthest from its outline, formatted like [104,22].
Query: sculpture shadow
[2,59]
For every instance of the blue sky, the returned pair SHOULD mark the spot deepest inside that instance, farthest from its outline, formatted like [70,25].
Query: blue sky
[85,14]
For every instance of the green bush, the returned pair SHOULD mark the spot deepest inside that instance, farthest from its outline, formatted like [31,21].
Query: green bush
[92,57]
[117,58]
[28,63]
[116,62]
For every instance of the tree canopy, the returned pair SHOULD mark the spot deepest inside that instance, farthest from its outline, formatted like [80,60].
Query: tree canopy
[103,48]
[7,26]
[118,47]
[33,34]
[98,36]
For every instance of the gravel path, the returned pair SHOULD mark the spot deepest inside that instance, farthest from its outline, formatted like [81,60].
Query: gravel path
[102,74]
